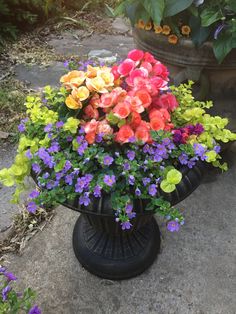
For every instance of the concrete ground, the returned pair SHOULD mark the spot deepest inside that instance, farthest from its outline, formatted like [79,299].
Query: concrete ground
[196,270]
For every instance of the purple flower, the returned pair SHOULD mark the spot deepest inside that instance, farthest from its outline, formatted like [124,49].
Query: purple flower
[146,181]
[69,138]
[199,151]
[80,139]
[107,160]
[126,166]
[59,124]
[152,190]
[28,154]
[55,147]
[217,149]
[48,128]
[132,139]
[97,191]
[31,207]
[5,292]
[67,166]
[198,129]
[45,175]
[66,64]
[45,157]
[69,179]
[128,208]
[81,184]
[131,155]
[99,138]
[81,149]
[131,179]
[2,270]
[173,226]
[50,185]
[35,310]
[21,127]
[34,194]
[109,179]
[191,162]
[126,225]
[36,168]
[84,199]
[10,277]
[218,30]
[137,192]
[183,159]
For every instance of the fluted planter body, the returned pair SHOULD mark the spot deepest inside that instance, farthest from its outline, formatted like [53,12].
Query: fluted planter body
[185,61]
[104,249]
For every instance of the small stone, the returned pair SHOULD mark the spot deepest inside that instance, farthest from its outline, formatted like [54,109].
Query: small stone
[4,135]
[120,26]
[100,53]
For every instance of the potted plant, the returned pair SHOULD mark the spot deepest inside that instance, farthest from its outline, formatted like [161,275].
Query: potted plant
[194,38]
[118,145]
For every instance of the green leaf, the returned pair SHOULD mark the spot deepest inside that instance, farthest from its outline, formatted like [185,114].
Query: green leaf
[167,187]
[210,16]
[174,176]
[199,34]
[155,9]
[172,7]
[222,46]
[232,5]
[109,10]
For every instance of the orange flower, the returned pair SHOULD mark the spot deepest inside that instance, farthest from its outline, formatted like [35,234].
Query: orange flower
[157,124]
[185,30]
[73,78]
[72,103]
[173,39]
[141,24]
[142,133]
[91,112]
[92,71]
[121,110]
[124,134]
[148,26]
[157,29]
[166,29]
[90,137]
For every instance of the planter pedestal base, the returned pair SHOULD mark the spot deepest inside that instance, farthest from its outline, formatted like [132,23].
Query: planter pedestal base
[119,256]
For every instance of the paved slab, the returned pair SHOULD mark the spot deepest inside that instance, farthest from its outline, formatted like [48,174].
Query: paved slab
[194,274]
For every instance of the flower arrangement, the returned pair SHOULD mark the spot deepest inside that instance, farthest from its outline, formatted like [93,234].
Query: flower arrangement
[13,302]
[200,20]
[119,130]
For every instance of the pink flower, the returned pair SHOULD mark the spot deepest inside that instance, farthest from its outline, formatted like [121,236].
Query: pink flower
[122,110]
[126,67]
[145,97]
[167,101]
[146,65]
[114,71]
[135,104]
[142,133]
[136,55]
[91,112]
[124,134]
[149,58]
[160,70]
[137,73]
[91,126]
[107,100]
[104,128]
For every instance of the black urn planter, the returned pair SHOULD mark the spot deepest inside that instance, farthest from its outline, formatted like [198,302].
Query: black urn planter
[109,252]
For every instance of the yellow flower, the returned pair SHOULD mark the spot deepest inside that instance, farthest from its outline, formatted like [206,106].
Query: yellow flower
[173,39]
[141,24]
[166,29]
[148,26]
[91,71]
[157,29]
[80,93]
[73,78]
[106,75]
[96,84]
[72,103]
[185,30]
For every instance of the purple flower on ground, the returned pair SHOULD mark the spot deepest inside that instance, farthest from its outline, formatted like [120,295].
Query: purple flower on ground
[126,166]
[34,194]
[131,155]
[97,191]
[132,139]
[81,130]
[84,199]
[10,277]
[80,139]
[191,162]
[69,138]
[183,159]
[199,151]
[173,226]
[81,184]
[152,190]
[109,179]
[35,310]
[45,157]
[137,192]
[45,175]
[36,168]
[66,64]
[59,124]
[81,149]
[157,158]
[2,270]
[166,141]
[131,179]
[31,207]
[126,225]
[146,181]
[107,160]
[21,127]
[67,166]
[28,154]
[5,292]
[48,128]
[50,185]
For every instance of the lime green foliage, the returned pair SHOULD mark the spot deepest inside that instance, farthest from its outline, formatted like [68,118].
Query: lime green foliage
[71,125]
[191,111]
[173,177]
